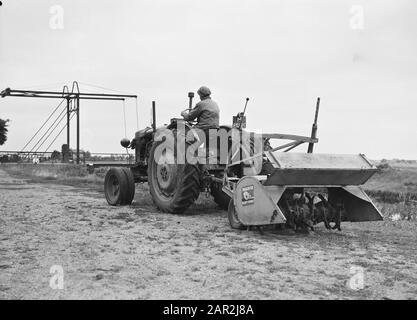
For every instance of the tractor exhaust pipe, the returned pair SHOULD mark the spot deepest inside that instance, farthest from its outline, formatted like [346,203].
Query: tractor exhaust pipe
[314,127]
[153,116]
[190,97]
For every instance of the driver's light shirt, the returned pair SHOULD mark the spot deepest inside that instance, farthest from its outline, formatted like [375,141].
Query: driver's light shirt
[206,112]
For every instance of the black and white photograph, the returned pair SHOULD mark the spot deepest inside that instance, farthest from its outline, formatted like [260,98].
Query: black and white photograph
[227,152]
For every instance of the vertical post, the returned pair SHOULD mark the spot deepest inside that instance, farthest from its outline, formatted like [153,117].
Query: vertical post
[190,96]
[78,128]
[68,122]
[314,127]
[153,116]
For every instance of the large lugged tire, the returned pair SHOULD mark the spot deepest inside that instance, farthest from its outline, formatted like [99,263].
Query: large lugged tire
[174,187]
[118,187]
[221,198]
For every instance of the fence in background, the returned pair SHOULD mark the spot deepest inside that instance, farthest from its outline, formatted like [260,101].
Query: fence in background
[55,156]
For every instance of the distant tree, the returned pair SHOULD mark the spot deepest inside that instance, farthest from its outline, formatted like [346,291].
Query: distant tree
[384,165]
[55,155]
[3,131]
[15,158]
[85,154]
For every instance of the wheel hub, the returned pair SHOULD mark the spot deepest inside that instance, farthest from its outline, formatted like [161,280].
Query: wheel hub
[164,173]
[115,187]
[166,177]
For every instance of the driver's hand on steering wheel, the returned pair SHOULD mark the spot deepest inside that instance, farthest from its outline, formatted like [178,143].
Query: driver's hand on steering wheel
[184,113]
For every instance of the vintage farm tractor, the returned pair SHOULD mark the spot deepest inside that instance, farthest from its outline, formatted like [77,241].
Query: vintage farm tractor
[257,184]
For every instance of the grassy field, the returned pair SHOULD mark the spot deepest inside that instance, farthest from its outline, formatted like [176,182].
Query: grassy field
[395,178]
[394,189]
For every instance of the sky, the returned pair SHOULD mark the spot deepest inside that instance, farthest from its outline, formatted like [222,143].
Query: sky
[359,56]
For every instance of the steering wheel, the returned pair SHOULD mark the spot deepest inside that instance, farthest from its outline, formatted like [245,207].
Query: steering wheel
[191,121]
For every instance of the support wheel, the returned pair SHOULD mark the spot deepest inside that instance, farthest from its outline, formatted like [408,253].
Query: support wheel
[233,218]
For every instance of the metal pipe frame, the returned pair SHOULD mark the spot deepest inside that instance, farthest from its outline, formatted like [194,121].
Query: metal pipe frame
[70,96]
[56,94]
[76,96]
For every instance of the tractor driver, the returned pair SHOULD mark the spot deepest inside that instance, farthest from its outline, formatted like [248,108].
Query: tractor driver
[206,111]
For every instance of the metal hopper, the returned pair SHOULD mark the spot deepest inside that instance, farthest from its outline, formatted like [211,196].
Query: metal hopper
[300,189]
[260,199]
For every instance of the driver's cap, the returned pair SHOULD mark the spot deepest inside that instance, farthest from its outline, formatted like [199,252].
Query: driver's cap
[204,91]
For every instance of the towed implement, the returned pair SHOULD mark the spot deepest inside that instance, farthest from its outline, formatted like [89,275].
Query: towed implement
[257,183]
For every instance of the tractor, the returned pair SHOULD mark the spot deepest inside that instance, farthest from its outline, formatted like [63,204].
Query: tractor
[257,183]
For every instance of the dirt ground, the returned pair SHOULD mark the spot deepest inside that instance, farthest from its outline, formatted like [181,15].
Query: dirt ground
[136,252]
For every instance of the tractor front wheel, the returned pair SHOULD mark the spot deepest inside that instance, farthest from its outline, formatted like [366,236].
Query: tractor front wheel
[119,186]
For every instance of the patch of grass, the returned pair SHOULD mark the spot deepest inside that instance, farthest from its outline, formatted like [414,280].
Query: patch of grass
[400,180]
[393,196]
[396,189]
[62,173]
[400,211]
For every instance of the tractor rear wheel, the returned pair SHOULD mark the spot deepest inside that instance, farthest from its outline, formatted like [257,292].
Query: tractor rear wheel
[174,187]
[119,187]
[233,218]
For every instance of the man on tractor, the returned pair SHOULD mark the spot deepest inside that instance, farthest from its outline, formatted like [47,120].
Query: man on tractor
[207,114]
